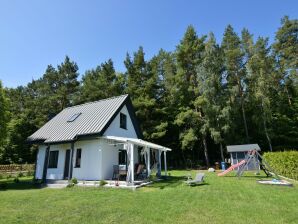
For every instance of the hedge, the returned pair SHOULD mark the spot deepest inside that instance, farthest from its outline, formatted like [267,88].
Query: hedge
[284,163]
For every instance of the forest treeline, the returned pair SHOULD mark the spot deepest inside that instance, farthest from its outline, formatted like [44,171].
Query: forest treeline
[196,100]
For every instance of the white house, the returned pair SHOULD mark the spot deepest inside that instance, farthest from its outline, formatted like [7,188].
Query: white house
[87,141]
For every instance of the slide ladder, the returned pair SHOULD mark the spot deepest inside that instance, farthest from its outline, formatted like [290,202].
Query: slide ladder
[232,168]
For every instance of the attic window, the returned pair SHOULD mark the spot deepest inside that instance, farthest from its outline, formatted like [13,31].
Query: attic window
[73,117]
[123,121]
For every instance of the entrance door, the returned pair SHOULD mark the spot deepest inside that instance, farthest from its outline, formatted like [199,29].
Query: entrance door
[66,166]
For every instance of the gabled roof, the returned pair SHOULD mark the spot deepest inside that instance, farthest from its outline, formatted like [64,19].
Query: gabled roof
[243,148]
[84,120]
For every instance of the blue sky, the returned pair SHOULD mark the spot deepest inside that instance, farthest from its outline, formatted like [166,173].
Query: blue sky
[34,34]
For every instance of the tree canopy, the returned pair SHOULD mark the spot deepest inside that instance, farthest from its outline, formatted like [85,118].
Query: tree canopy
[196,99]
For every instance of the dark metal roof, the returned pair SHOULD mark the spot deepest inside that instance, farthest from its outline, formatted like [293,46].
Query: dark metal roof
[94,119]
[243,148]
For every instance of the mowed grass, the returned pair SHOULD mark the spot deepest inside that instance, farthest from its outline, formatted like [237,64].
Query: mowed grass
[221,200]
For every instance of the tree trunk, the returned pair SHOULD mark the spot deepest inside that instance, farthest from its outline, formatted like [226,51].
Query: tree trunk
[221,152]
[265,129]
[244,121]
[288,95]
[206,151]
[242,109]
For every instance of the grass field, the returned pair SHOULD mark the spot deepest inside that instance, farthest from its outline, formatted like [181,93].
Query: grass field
[221,200]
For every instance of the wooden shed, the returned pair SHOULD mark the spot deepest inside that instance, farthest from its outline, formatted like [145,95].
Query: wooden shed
[238,153]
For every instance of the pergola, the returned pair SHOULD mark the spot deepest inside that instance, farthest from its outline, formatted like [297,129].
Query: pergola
[128,145]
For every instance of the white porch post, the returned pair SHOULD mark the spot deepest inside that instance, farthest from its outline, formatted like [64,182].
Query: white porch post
[148,161]
[159,164]
[165,162]
[132,167]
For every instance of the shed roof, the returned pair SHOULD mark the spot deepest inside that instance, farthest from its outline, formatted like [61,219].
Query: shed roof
[82,120]
[243,148]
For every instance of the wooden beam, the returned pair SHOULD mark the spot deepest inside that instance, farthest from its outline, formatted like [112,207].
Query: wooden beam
[45,164]
[165,162]
[70,170]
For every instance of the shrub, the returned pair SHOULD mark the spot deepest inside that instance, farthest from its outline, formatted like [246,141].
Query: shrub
[1,176]
[16,180]
[284,163]
[74,180]
[70,185]
[102,183]
[8,176]
[30,173]
[3,186]
[20,174]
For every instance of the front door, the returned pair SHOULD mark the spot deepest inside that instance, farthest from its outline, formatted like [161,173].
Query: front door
[66,166]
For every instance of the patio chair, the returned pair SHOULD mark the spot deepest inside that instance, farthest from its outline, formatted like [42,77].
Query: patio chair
[140,171]
[115,172]
[199,179]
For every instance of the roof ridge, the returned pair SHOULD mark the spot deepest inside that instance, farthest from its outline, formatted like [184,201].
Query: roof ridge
[113,97]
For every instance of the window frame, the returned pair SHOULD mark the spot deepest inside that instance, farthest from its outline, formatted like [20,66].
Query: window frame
[78,160]
[123,125]
[73,117]
[53,164]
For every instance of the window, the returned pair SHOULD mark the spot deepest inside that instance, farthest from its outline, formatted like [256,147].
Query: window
[78,158]
[53,160]
[123,121]
[122,157]
[73,117]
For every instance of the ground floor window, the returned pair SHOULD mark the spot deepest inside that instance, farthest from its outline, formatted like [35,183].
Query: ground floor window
[78,158]
[122,157]
[53,159]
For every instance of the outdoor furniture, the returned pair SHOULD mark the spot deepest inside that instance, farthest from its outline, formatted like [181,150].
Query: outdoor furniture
[140,174]
[199,179]
[115,172]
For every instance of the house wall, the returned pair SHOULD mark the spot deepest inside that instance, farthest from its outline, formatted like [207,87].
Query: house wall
[39,162]
[57,173]
[115,130]
[91,160]
[237,157]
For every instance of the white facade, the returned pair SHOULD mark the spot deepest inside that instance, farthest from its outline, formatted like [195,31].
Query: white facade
[97,156]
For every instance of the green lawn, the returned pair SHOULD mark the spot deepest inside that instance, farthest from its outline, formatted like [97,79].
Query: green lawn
[220,200]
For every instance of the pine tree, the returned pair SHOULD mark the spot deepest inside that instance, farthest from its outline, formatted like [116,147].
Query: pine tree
[101,82]
[260,68]
[4,118]
[190,118]
[235,74]
[212,101]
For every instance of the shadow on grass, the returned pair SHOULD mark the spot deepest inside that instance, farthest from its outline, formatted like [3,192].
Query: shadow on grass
[10,184]
[172,182]
[253,176]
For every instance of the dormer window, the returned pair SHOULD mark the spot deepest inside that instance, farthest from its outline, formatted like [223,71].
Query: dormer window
[123,121]
[73,117]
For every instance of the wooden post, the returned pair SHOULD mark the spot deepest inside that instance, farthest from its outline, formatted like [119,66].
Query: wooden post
[148,162]
[159,163]
[71,161]
[165,162]
[132,162]
[45,164]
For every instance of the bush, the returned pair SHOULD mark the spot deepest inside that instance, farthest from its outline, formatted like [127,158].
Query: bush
[284,163]
[3,186]
[20,174]
[70,185]
[102,183]
[16,180]
[74,180]
[1,176]
[30,173]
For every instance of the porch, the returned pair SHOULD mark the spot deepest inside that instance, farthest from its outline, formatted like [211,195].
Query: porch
[136,173]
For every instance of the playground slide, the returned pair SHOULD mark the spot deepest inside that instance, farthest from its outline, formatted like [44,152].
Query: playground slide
[231,168]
